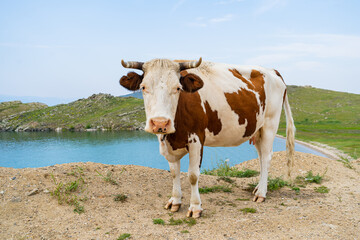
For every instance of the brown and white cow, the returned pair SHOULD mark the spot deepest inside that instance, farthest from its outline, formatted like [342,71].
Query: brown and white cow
[190,105]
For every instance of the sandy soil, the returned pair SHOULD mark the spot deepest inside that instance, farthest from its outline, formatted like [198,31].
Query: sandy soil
[284,215]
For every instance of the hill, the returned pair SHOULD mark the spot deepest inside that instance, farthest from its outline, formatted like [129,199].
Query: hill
[12,108]
[99,111]
[325,116]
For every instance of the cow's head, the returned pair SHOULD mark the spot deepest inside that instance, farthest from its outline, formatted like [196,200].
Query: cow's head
[161,84]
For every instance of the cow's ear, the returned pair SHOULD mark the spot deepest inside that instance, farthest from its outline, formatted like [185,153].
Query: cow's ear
[131,81]
[191,82]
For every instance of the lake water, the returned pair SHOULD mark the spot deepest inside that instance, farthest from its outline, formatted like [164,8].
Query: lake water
[37,149]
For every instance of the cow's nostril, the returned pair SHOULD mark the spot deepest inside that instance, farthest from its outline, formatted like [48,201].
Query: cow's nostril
[160,130]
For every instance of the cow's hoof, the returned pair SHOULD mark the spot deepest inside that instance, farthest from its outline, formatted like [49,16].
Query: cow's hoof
[194,214]
[173,207]
[258,199]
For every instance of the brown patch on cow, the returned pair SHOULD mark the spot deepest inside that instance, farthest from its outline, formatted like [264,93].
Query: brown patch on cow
[255,83]
[244,102]
[239,76]
[245,105]
[189,118]
[193,179]
[214,123]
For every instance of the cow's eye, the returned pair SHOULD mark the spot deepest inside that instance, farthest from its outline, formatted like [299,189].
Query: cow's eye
[178,89]
[143,88]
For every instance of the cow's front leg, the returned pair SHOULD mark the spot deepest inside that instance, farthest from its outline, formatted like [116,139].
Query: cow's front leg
[174,202]
[195,155]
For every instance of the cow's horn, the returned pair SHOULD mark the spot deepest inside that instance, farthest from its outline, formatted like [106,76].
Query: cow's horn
[135,65]
[187,65]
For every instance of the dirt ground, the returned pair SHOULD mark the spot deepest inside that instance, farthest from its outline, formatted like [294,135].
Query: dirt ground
[284,215]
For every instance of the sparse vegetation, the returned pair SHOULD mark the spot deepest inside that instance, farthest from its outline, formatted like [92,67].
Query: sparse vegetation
[159,221]
[124,236]
[223,169]
[322,189]
[346,162]
[216,188]
[243,199]
[120,198]
[108,178]
[248,210]
[172,222]
[69,192]
[273,184]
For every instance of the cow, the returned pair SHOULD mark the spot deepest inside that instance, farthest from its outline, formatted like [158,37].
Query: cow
[192,104]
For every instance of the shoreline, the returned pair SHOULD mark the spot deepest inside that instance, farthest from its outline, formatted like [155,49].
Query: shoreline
[330,152]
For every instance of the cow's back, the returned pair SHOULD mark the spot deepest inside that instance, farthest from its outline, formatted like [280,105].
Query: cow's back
[236,100]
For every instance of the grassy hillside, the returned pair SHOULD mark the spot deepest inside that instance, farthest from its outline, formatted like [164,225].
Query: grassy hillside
[101,111]
[7,109]
[325,116]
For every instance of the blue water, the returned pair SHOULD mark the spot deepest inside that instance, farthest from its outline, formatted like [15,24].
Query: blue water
[23,150]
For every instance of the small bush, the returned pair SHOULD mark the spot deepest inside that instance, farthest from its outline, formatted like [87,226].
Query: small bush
[276,183]
[310,178]
[120,198]
[158,221]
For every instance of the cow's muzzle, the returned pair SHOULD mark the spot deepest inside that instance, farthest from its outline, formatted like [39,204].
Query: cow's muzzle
[160,125]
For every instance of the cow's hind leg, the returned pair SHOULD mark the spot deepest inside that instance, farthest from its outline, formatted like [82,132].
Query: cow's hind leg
[264,144]
[195,155]
[174,202]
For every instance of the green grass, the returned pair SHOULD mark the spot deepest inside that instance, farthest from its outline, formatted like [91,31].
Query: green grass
[346,163]
[325,116]
[120,198]
[108,178]
[174,222]
[248,210]
[69,192]
[322,189]
[309,178]
[159,221]
[216,188]
[223,169]
[124,236]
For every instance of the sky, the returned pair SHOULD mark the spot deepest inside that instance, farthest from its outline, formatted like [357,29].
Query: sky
[73,49]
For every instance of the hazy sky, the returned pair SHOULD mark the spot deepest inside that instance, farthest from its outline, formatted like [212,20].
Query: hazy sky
[72,49]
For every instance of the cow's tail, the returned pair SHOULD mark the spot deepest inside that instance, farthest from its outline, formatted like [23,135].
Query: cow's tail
[290,135]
